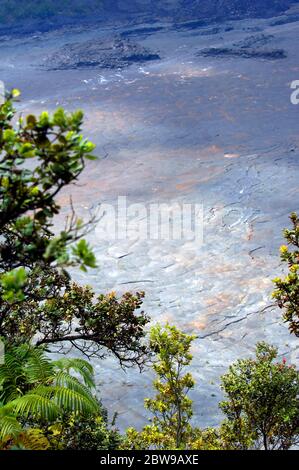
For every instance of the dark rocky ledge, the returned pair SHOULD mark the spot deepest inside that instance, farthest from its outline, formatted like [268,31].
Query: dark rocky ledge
[108,53]
[243,53]
[252,47]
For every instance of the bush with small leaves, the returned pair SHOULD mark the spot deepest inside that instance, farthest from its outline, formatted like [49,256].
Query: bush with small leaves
[171,408]
[262,403]
[286,293]
[80,432]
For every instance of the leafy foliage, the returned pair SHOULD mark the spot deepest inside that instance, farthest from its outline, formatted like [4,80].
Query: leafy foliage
[28,190]
[29,439]
[38,158]
[286,293]
[171,407]
[74,431]
[262,406]
[103,324]
[35,389]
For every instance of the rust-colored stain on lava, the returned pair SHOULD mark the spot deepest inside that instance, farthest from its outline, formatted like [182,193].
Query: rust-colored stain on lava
[196,325]
[222,301]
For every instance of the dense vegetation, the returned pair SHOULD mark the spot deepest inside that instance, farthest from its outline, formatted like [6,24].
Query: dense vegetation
[46,404]
[261,402]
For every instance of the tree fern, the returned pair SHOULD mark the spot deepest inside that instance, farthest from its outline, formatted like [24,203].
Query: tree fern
[71,400]
[38,368]
[26,367]
[33,386]
[11,376]
[9,427]
[63,379]
[33,404]
[75,398]
[81,367]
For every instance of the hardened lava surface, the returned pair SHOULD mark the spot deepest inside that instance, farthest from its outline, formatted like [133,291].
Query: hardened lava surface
[197,127]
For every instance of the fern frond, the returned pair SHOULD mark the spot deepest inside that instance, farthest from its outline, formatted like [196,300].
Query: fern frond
[33,404]
[10,372]
[70,400]
[33,385]
[38,367]
[9,427]
[20,370]
[63,379]
[79,366]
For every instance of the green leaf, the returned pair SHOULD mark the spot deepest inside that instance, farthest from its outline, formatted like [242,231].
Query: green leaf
[91,157]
